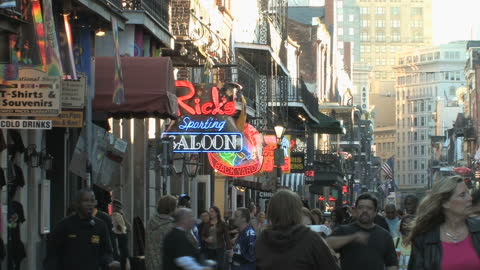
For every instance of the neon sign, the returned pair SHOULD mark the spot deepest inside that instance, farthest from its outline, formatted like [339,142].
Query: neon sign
[246,162]
[210,123]
[190,142]
[268,153]
[218,106]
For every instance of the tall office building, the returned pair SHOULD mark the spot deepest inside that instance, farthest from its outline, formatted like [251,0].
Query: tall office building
[386,28]
[427,80]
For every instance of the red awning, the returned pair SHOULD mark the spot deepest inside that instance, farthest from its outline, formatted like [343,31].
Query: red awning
[149,87]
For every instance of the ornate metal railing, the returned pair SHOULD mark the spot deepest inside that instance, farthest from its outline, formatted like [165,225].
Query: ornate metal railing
[158,9]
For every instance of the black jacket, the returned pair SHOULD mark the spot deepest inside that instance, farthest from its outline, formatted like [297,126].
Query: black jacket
[427,248]
[298,248]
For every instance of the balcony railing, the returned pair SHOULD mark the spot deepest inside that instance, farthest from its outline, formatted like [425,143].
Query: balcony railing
[248,78]
[296,92]
[158,9]
[116,3]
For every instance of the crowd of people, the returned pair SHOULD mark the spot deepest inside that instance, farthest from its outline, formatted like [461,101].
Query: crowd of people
[440,232]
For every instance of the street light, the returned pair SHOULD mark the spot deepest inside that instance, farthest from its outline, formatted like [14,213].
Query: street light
[279,130]
[278,154]
[178,162]
[192,166]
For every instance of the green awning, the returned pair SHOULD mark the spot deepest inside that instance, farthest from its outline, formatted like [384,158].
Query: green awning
[327,125]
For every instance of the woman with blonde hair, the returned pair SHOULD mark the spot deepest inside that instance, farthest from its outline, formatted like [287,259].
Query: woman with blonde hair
[443,237]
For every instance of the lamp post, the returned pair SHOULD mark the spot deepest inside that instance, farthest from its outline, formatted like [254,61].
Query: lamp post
[191,168]
[279,154]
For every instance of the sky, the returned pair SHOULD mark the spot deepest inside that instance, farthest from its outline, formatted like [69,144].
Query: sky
[453,20]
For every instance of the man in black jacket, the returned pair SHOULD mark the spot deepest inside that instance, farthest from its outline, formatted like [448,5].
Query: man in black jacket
[80,241]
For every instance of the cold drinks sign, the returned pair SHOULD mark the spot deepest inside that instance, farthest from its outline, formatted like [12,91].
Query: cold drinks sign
[206,124]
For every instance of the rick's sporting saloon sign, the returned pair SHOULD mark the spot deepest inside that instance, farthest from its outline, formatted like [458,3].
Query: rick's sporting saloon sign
[206,124]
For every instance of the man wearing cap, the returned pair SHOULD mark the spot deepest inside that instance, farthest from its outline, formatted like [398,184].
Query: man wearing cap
[184,201]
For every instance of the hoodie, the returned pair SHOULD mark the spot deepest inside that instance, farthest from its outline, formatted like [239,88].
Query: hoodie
[157,228]
[296,248]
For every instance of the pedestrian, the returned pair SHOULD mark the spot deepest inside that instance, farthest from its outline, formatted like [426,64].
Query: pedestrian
[184,201]
[381,221]
[244,244]
[392,220]
[107,219]
[120,231]
[217,239]
[475,204]
[307,217]
[80,241]
[410,204]
[443,236]
[317,216]
[253,212]
[179,253]
[363,244]
[157,228]
[337,218]
[287,243]
[204,218]
[261,223]
[402,246]
[310,221]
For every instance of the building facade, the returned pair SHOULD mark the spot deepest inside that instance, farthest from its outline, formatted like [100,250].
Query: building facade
[427,81]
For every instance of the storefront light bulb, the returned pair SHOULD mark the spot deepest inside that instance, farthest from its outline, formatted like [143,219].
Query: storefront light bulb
[100,33]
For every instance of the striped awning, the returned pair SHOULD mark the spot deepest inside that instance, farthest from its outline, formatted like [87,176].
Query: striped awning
[293,180]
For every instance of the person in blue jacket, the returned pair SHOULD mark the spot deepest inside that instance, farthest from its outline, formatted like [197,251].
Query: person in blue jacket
[244,244]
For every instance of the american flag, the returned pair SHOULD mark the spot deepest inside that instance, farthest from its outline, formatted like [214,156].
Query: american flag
[388,168]
[389,172]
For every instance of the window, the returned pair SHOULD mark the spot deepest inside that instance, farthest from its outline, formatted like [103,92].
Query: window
[365,23]
[415,164]
[364,36]
[422,150]
[417,36]
[340,17]
[380,36]
[395,23]
[340,4]
[395,36]
[415,121]
[422,106]
[437,55]
[395,11]
[380,23]
[422,121]
[416,11]
[416,24]
[364,10]
[423,179]
[379,10]
[415,136]
[350,31]
[351,18]
[340,31]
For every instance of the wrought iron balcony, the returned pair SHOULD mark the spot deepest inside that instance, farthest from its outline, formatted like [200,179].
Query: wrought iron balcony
[158,9]
[294,92]
[248,78]
[328,169]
